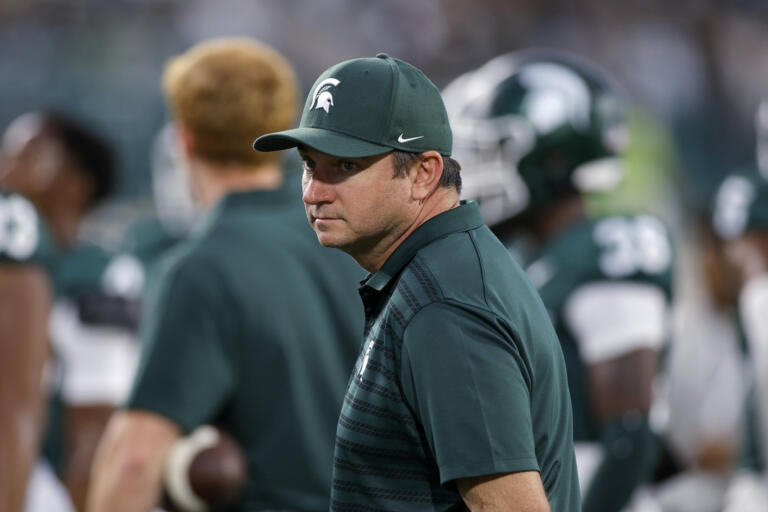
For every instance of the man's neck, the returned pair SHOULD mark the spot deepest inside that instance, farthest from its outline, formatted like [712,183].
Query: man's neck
[62,217]
[212,182]
[442,200]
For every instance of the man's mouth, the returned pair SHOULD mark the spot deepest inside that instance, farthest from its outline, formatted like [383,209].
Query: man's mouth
[324,216]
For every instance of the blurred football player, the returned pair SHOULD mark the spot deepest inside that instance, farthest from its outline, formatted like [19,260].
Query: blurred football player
[741,220]
[536,130]
[65,169]
[251,325]
[148,237]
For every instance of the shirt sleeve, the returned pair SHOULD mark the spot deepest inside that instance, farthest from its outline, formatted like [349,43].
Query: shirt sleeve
[466,378]
[612,318]
[186,370]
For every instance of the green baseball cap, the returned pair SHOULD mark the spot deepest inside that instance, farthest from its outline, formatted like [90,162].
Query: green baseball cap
[369,106]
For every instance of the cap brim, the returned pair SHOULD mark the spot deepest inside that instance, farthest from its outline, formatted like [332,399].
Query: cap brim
[325,141]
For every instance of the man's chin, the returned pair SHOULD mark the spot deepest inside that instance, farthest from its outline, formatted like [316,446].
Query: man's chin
[328,240]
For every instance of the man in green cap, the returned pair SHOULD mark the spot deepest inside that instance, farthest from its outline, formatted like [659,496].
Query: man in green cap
[459,397]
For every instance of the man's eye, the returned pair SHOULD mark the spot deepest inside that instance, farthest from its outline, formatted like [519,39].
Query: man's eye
[308,164]
[348,166]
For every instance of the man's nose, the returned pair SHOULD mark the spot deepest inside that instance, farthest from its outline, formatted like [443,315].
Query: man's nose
[317,191]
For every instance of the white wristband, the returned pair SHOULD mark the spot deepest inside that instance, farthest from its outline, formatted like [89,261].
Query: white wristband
[176,473]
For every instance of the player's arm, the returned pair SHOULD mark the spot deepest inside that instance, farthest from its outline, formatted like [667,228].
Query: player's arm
[620,327]
[513,491]
[84,426]
[127,471]
[620,391]
[24,306]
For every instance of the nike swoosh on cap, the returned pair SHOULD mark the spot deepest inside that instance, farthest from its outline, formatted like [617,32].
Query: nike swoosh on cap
[401,139]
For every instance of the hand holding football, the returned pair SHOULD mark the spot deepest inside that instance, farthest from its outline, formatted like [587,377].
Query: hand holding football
[204,471]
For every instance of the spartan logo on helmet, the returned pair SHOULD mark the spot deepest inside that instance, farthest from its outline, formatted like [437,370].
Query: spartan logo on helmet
[322,97]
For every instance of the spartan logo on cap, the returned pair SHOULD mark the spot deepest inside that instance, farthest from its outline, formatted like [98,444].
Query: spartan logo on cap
[322,97]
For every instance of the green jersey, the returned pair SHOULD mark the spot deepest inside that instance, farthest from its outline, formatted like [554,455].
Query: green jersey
[148,239]
[80,270]
[253,326]
[94,321]
[586,270]
[607,286]
[460,375]
[124,278]
[94,360]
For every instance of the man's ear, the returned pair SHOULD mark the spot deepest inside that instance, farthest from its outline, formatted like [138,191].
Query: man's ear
[425,175]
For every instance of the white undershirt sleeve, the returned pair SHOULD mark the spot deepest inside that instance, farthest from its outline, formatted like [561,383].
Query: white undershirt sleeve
[99,362]
[610,319]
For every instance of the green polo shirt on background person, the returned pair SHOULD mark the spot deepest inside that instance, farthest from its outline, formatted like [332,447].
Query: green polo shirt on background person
[455,379]
[254,327]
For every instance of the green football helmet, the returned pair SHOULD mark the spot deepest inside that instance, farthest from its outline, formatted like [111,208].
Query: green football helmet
[531,126]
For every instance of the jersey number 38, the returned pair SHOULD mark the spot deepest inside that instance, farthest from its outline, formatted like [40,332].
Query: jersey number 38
[632,245]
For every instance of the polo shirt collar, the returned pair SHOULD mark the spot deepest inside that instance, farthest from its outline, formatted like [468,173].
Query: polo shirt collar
[464,217]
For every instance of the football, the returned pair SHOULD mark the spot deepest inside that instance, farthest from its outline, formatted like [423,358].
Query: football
[204,471]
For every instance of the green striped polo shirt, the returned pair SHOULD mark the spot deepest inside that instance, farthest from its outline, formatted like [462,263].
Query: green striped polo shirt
[460,375]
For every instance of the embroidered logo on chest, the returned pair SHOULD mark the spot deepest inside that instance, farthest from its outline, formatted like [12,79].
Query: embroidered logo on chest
[366,357]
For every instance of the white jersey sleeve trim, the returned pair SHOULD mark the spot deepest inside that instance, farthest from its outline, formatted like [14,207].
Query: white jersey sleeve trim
[610,319]
[98,362]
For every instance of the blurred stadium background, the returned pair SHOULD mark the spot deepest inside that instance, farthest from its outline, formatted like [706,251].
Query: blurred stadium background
[696,67]
[695,71]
